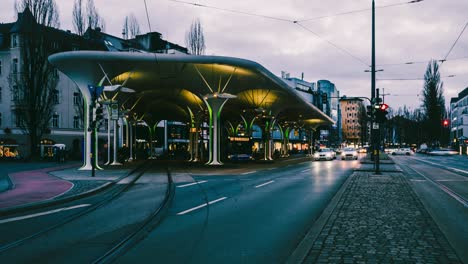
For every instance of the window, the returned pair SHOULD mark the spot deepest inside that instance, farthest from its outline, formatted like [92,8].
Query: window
[18,120]
[76,122]
[14,41]
[55,120]
[0,119]
[1,94]
[76,98]
[0,67]
[55,96]
[15,96]
[14,67]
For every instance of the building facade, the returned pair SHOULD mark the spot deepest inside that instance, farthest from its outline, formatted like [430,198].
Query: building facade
[352,125]
[459,121]
[66,123]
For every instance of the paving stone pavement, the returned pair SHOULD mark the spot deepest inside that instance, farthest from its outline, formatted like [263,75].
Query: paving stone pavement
[379,219]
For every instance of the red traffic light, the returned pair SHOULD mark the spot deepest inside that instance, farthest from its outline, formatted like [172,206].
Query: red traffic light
[383,107]
[446,122]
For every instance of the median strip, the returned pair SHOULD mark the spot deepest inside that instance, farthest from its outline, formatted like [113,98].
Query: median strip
[201,206]
[190,184]
[263,184]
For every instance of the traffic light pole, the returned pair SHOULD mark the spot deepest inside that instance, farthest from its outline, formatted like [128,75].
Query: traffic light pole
[375,132]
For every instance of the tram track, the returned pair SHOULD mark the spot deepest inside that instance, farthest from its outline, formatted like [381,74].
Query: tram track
[438,183]
[110,194]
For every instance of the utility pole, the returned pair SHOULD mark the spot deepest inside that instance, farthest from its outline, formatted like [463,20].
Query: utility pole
[375,132]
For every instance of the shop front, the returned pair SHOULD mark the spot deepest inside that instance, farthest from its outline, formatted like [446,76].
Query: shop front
[9,149]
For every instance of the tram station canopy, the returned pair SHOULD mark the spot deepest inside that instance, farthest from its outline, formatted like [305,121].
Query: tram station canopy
[170,86]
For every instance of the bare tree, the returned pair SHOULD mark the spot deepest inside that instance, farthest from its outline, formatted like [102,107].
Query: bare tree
[194,39]
[33,79]
[44,11]
[79,17]
[131,27]
[94,20]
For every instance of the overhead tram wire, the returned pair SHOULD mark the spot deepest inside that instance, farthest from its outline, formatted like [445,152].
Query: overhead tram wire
[420,62]
[279,19]
[358,11]
[451,48]
[232,11]
[155,55]
[332,44]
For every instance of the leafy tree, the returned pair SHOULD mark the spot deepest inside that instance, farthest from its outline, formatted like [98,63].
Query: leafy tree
[33,79]
[433,102]
[195,39]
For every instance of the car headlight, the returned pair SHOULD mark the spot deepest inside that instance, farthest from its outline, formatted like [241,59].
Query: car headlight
[316,155]
[355,153]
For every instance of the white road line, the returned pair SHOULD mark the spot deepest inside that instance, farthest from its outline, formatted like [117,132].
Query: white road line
[43,213]
[190,184]
[201,206]
[263,184]
[430,162]
[271,169]
[306,170]
[417,180]
[451,180]
[249,172]
[453,194]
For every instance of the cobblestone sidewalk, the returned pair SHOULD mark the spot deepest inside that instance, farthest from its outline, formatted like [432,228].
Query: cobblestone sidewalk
[379,219]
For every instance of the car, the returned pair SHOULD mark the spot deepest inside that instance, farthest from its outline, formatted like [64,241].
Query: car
[442,152]
[240,157]
[402,151]
[349,153]
[325,154]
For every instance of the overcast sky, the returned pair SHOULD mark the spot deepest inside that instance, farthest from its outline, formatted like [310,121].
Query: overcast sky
[405,33]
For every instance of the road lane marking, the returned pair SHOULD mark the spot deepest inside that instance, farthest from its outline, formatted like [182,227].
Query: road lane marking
[306,170]
[433,163]
[453,194]
[249,172]
[451,180]
[43,213]
[271,169]
[263,184]
[190,184]
[201,206]
[417,180]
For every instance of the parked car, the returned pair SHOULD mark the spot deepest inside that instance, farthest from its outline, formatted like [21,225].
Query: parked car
[349,153]
[240,157]
[325,154]
[402,151]
[442,152]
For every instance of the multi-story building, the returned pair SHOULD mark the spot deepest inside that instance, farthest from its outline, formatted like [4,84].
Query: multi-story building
[66,124]
[459,121]
[332,109]
[352,125]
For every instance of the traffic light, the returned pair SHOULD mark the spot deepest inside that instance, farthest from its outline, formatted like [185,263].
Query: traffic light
[446,123]
[381,113]
[370,110]
[99,113]
[324,98]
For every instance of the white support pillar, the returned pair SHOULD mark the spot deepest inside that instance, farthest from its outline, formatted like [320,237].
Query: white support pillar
[215,103]
[109,145]
[130,143]
[87,165]
[115,162]
[121,139]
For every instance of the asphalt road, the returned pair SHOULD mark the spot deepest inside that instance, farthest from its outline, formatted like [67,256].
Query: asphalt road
[86,238]
[442,184]
[253,217]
